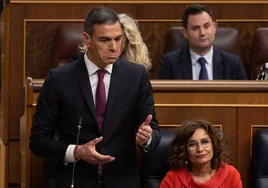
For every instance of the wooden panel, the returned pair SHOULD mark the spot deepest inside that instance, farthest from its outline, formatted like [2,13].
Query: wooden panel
[137,1]
[153,31]
[39,62]
[3,164]
[246,29]
[16,90]
[248,118]
[14,162]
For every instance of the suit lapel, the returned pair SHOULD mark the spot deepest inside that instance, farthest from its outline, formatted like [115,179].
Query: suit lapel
[217,65]
[108,125]
[186,64]
[83,79]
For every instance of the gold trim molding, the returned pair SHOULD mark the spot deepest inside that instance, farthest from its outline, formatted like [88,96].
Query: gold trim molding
[212,105]
[82,20]
[136,2]
[176,125]
[240,20]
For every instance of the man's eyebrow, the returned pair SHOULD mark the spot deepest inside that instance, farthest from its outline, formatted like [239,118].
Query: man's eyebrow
[119,36]
[109,38]
[207,23]
[103,37]
[193,26]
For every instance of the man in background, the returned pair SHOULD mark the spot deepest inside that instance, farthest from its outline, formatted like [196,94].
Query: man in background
[200,60]
[113,101]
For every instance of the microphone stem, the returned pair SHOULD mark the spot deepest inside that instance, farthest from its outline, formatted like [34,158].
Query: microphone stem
[77,139]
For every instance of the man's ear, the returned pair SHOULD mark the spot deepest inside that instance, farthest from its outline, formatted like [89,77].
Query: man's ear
[87,39]
[215,26]
[184,32]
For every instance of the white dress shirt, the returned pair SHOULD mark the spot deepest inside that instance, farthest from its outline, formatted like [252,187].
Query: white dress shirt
[196,67]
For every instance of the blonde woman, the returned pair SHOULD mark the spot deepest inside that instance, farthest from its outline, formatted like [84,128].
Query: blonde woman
[133,47]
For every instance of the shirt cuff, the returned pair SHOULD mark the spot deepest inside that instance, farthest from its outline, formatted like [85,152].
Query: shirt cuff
[146,146]
[69,155]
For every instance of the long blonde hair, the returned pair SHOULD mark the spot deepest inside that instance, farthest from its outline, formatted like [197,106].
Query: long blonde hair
[135,50]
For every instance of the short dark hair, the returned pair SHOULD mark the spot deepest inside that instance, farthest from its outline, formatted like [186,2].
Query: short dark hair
[99,15]
[194,10]
[178,148]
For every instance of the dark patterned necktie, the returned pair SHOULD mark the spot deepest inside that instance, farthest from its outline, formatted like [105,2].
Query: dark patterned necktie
[100,98]
[100,110]
[203,75]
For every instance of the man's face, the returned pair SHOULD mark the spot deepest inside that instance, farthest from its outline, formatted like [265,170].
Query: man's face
[200,32]
[105,44]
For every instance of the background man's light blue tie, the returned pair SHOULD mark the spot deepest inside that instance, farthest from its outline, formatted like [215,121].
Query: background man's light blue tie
[203,75]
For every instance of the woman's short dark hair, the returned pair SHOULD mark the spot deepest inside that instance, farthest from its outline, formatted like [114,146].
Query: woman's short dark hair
[99,15]
[194,10]
[178,149]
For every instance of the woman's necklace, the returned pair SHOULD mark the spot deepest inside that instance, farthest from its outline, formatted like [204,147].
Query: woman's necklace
[202,179]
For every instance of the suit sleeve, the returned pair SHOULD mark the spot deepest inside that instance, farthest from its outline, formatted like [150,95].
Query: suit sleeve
[42,142]
[145,107]
[165,71]
[240,71]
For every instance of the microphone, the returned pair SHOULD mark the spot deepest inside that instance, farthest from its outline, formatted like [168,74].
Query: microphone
[76,144]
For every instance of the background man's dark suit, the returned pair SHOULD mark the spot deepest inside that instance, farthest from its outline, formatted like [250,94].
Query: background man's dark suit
[66,95]
[177,65]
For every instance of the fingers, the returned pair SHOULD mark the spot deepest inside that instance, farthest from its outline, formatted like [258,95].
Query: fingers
[145,131]
[148,120]
[97,158]
[101,159]
[145,128]
[96,141]
[140,139]
[144,134]
[89,154]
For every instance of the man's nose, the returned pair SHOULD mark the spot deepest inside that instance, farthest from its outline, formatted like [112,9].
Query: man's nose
[112,45]
[202,31]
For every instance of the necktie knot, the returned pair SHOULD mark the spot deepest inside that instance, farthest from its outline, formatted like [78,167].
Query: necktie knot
[202,61]
[203,75]
[101,73]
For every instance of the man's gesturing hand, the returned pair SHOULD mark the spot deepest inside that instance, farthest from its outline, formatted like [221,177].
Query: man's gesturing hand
[88,153]
[145,131]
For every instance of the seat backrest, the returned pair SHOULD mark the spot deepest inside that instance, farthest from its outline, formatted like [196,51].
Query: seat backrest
[260,159]
[259,49]
[154,164]
[226,38]
[66,40]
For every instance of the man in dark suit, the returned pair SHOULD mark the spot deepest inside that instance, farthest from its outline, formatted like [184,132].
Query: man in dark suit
[200,60]
[106,152]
